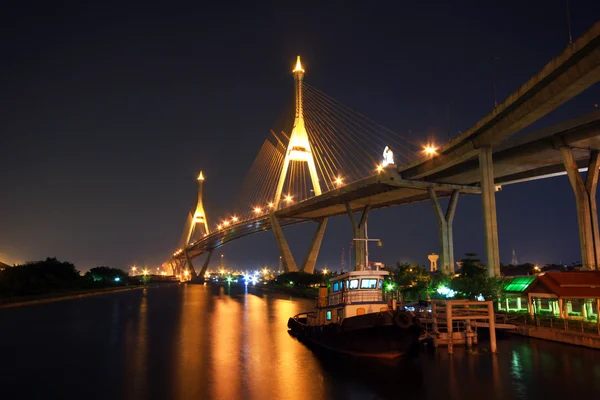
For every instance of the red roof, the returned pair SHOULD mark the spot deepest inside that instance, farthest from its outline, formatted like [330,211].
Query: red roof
[568,284]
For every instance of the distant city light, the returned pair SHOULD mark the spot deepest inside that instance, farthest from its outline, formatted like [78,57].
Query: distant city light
[117,279]
[325,271]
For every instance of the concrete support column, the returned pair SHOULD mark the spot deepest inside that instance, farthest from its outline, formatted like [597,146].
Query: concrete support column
[445,229]
[561,308]
[359,232]
[205,265]
[585,201]
[289,264]
[519,303]
[315,246]
[173,267]
[190,266]
[488,199]
[530,304]
[584,313]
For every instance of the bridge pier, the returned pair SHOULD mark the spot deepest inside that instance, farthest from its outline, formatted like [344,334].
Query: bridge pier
[173,268]
[289,264]
[585,201]
[205,265]
[315,246]
[359,232]
[190,266]
[488,202]
[445,229]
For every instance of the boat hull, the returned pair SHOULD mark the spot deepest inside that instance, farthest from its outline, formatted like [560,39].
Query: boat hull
[375,335]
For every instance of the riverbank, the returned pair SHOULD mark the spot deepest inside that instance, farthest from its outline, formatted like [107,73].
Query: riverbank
[54,297]
[583,339]
[308,293]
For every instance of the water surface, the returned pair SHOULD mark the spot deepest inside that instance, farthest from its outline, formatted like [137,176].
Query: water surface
[202,342]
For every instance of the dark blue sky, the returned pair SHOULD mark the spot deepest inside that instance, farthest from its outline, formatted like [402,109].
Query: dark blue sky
[108,112]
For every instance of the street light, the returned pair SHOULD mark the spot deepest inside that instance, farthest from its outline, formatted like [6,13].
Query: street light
[288,198]
[257,210]
[430,150]
[325,271]
[379,168]
[338,181]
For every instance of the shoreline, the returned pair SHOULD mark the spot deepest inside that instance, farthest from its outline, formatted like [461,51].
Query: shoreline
[55,297]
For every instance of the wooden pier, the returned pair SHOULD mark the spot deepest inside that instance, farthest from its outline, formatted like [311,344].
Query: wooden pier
[454,322]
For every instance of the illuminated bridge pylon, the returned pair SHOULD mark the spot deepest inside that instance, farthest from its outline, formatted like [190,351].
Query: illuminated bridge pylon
[298,150]
[196,222]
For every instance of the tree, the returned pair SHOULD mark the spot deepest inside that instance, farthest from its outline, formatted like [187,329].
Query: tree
[473,280]
[412,281]
[103,276]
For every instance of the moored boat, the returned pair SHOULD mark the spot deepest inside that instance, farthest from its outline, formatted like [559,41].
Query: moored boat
[353,317]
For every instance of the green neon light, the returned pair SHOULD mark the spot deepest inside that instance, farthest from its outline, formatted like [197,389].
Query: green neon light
[519,284]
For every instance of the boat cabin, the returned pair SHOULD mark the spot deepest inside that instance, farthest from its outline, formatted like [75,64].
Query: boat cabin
[351,294]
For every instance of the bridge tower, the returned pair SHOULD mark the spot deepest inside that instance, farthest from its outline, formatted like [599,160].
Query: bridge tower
[198,217]
[298,150]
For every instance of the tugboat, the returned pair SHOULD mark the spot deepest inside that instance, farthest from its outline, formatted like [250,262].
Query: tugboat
[352,317]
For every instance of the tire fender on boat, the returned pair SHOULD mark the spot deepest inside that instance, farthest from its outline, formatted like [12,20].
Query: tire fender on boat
[403,320]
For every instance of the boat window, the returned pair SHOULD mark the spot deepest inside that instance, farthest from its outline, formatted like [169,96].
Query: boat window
[353,284]
[368,283]
[328,315]
[380,284]
[336,287]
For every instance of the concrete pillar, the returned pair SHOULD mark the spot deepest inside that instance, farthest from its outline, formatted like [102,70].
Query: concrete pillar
[585,201]
[189,264]
[315,246]
[530,305]
[358,232]
[173,267]
[519,303]
[488,200]
[584,313]
[205,265]
[445,229]
[289,264]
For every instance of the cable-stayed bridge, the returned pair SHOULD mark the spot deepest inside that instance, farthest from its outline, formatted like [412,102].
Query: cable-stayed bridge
[336,161]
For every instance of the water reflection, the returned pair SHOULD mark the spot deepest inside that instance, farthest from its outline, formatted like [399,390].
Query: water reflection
[203,342]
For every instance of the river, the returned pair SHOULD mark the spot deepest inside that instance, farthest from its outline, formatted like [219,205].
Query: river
[202,342]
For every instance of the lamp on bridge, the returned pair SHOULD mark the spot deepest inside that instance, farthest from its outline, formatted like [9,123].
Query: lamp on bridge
[430,150]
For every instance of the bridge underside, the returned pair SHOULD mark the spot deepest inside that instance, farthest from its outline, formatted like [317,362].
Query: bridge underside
[533,156]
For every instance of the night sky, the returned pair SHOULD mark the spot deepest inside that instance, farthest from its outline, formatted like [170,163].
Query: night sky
[108,112]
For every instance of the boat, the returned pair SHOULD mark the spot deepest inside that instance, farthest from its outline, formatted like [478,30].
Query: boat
[353,317]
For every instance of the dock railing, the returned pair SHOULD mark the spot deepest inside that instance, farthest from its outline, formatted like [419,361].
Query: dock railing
[453,322]
[549,321]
